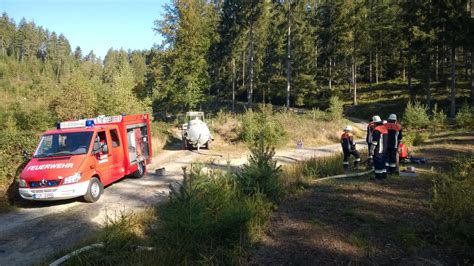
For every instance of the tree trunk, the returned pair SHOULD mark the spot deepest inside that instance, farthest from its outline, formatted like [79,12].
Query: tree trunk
[250,94]
[452,109]
[437,65]
[427,85]
[351,74]
[410,73]
[380,65]
[330,73]
[288,61]
[316,67]
[243,69]
[233,85]
[466,63]
[376,66]
[354,82]
[472,76]
[370,69]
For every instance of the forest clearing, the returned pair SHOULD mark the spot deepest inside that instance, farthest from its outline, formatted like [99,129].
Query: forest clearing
[285,86]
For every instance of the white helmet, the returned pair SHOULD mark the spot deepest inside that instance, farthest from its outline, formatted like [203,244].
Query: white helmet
[392,117]
[348,128]
[384,122]
[376,119]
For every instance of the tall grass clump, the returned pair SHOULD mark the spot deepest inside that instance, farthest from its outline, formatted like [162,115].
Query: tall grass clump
[208,220]
[465,117]
[261,174]
[336,108]
[261,126]
[323,166]
[453,202]
[416,116]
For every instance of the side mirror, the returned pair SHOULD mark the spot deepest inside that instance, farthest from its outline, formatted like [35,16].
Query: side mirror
[26,155]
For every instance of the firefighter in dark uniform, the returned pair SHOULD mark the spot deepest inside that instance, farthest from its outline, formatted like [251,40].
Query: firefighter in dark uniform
[370,129]
[394,138]
[378,149]
[349,148]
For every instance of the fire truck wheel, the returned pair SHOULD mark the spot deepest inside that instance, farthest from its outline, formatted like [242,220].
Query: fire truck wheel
[94,191]
[141,170]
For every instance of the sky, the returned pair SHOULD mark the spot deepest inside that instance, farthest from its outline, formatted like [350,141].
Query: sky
[93,24]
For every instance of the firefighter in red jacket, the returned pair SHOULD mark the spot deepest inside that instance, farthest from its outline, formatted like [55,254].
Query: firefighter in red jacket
[378,149]
[349,147]
[393,141]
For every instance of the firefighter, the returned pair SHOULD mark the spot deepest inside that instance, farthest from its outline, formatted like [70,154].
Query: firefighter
[393,141]
[378,149]
[349,148]
[370,128]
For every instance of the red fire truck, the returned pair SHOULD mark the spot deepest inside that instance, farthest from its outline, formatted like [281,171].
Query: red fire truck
[80,157]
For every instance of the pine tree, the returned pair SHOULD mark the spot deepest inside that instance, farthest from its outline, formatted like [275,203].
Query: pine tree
[187,32]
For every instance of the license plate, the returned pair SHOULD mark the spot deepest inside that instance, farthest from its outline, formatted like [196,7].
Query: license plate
[43,196]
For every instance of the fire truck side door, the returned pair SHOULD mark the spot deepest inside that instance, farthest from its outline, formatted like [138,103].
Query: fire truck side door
[104,158]
[117,155]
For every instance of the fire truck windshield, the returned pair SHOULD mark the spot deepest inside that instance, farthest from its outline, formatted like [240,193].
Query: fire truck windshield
[64,144]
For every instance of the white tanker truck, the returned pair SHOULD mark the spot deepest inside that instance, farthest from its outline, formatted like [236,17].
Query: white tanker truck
[195,133]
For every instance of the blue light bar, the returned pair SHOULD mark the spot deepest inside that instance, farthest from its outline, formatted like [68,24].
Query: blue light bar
[89,123]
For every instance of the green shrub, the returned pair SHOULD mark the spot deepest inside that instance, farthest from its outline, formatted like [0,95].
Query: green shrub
[12,144]
[336,108]
[438,119]
[453,201]
[261,174]
[416,116]
[208,220]
[465,117]
[260,126]
[414,138]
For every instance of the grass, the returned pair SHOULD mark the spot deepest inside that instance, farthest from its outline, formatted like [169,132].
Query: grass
[400,220]
[409,239]
[359,240]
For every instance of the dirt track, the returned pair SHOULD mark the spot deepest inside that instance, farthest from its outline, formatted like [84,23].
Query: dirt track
[31,234]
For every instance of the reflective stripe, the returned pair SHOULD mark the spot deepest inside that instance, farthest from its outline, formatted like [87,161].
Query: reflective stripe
[386,164]
[345,162]
[396,140]
[393,165]
[358,160]
[380,171]
[381,144]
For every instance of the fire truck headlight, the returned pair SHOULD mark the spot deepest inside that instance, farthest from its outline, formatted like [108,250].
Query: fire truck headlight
[72,179]
[22,183]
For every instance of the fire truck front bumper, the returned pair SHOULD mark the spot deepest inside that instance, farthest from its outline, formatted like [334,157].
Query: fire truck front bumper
[55,193]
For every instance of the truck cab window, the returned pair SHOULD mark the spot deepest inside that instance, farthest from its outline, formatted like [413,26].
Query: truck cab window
[101,143]
[115,138]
